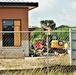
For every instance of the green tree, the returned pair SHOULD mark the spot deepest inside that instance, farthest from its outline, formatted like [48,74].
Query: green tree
[64,35]
[35,35]
[48,23]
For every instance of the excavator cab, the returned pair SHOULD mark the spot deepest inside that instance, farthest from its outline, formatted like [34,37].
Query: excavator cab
[54,37]
[51,38]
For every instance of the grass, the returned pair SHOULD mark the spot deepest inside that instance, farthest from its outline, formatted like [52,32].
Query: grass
[34,72]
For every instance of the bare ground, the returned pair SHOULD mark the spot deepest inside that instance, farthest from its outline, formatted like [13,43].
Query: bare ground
[34,62]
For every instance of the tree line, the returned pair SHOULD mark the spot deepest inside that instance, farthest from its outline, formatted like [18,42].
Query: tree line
[62,32]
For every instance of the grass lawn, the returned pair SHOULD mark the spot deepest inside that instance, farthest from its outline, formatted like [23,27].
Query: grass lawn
[57,72]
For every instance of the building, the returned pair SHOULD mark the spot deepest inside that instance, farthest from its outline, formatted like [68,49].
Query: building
[14,18]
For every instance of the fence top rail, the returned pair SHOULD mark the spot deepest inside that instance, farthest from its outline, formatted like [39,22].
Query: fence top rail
[32,31]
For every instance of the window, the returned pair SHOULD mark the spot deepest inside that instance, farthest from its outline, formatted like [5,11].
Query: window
[11,39]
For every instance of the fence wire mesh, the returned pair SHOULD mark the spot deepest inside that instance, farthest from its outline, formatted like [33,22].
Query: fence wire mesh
[33,49]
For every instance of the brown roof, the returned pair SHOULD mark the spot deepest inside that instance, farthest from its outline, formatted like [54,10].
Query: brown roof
[18,3]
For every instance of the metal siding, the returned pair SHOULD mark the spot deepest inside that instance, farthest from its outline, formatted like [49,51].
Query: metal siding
[73,46]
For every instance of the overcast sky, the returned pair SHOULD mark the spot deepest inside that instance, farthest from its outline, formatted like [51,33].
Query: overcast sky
[63,12]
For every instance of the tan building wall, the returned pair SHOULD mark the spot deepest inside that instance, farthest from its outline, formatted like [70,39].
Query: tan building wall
[13,13]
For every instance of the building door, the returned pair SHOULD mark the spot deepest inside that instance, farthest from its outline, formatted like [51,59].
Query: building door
[11,38]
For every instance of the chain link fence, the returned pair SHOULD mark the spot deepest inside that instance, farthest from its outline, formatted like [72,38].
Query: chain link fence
[32,50]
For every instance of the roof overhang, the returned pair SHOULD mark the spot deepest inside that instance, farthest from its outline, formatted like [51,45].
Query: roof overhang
[30,5]
[32,29]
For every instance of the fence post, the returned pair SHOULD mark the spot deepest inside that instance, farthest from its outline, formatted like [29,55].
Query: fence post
[70,32]
[47,55]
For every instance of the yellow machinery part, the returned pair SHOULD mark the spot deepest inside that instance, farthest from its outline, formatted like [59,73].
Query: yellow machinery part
[54,44]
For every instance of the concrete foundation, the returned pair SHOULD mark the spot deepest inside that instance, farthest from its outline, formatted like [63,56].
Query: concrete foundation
[23,50]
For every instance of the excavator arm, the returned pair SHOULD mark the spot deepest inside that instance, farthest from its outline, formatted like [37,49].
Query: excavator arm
[44,27]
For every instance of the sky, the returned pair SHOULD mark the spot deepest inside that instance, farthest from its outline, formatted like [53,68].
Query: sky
[62,12]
